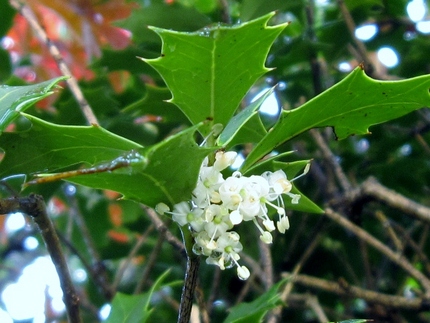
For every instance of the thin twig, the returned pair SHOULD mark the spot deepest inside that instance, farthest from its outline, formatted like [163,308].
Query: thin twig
[124,264]
[26,12]
[313,55]
[374,189]
[391,233]
[34,206]
[202,307]
[214,288]
[225,11]
[266,264]
[369,239]
[331,159]
[97,263]
[149,264]
[276,313]
[360,47]
[256,272]
[191,274]
[314,304]
[344,289]
[164,230]
[310,301]
[370,282]
[417,247]
[93,271]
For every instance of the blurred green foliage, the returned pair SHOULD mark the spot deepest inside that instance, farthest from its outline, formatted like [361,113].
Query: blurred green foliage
[306,60]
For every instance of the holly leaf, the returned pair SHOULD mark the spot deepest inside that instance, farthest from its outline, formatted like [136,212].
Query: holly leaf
[217,65]
[255,310]
[134,308]
[169,174]
[235,131]
[50,147]
[15,99]
[350,107]
[165,172]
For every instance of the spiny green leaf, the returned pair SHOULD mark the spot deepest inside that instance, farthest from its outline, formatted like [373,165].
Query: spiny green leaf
[14,99]
[165,172]
[134,308]
[350,107]
[236,125]
[169,175]
[254,311]
[50,147]
[217,65]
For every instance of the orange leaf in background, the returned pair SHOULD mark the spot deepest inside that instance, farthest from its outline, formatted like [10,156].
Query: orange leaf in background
[115,214]
[119,80]
[117,236]
[89,22]
[112,195]
[78,28]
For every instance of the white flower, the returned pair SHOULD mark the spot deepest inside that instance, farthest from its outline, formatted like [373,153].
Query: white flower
[228,248]
[207,186]
[218,204]
[162,208]
[224,159]
[183,213]
[278,182]
[180,213]
[253,193]
[229,192]
[243,272]
[216,228]
[283,224]
[269,225]
[266,237]
[236,217]
[202,240]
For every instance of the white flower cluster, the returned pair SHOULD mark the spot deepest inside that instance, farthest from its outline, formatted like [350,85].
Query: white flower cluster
[218,204]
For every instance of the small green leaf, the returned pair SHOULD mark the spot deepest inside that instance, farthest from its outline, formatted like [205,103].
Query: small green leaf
[15,99]
[169,175]
[134,308]
[217,65]
[350,107]
[48,147]
[237,123]
[165,172]
[253,312]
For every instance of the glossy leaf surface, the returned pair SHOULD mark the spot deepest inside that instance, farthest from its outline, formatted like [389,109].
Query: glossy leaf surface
[15,99]
[350,107]
[217,65]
